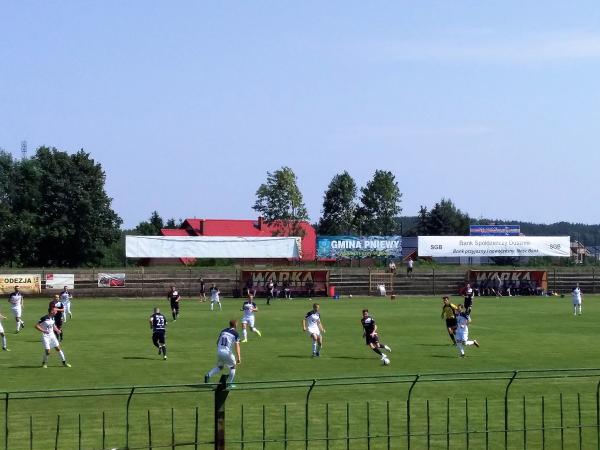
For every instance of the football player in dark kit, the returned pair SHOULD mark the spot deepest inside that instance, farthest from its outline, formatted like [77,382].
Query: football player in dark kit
[371,336]
[158,325]
[59,310]
[468,303]
[174,297]
[449,311]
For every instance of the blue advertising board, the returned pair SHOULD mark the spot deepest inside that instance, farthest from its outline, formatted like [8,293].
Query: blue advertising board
[495,230]
[335,247]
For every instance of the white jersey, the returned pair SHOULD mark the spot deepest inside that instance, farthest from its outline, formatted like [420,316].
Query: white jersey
[15,299]
[227,339]
[65,296]
[248,308]
[313,319]
[576,296]
[47,324]
[462,327]
[214,294]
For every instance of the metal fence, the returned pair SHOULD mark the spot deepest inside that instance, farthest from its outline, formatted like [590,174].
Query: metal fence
[541,409]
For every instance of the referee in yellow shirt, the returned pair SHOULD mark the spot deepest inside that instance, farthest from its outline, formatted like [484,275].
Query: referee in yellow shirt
[449,313]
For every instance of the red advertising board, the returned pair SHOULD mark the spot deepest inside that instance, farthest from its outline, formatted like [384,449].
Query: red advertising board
[539,278]
[300,282]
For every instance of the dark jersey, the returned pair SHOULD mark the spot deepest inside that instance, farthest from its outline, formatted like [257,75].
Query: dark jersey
[368,324]
[202,291]
[173,296]
[159,322]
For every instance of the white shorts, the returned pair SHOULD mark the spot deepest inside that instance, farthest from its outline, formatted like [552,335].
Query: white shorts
[49,341]
[1,328]
[462,337]
[249,320]
[225,358]
[576,302]
[313,330]
[215,299]
[16,310]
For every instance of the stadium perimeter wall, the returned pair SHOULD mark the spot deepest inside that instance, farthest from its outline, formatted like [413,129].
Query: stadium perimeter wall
[155,282]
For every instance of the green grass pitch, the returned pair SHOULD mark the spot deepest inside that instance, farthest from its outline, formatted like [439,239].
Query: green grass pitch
[108,344]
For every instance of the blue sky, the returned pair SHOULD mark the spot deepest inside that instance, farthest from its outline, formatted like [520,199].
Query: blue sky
[187,105]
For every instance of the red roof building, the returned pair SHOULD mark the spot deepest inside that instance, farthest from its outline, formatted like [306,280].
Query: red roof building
[245,228]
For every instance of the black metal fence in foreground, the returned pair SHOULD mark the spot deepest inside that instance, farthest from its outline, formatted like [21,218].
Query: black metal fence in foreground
[541,409]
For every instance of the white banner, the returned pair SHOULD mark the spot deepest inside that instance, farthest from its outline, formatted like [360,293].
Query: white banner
[460,246]
[60,280]
[211,247]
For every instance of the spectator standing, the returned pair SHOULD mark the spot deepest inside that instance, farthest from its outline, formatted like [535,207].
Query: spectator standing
[409,267]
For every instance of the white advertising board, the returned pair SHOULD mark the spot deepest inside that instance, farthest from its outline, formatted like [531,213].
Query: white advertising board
[461,246]
[60,280]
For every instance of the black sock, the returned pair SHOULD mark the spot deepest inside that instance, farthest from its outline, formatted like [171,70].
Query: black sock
[376,350]
[452,337]
[164,350]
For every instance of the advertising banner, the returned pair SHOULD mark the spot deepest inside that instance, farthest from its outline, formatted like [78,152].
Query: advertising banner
[28,284]
[111,280]
[515,279]
[494,230]
[460,246]
[300,282]
[335,247]
[60,280]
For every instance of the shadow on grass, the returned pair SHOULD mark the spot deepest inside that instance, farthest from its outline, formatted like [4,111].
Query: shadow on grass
[141,357]
[435,345]
[445,356]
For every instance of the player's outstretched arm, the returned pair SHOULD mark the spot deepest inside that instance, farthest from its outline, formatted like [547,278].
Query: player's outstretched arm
[238,354]
[38,327]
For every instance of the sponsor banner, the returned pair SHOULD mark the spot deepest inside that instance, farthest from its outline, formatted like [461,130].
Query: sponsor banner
[495,230]
[460,246]
[60,280]
[28,284]
[111,280]
[300,282]
[334,247]
[516,279]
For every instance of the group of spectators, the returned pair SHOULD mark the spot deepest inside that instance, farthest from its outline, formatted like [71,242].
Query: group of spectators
[496,287]
[279,290]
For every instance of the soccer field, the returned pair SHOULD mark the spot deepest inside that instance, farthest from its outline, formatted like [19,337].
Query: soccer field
[108,344]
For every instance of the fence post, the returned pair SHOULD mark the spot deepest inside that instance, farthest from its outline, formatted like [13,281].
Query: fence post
[506,409]
[6,394]
[593,280]
[408,411]
[306,414]
[142,282]
[221,393]
[127,417]
[433,280]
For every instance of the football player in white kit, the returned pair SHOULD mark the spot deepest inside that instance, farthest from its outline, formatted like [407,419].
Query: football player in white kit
[462,331]
[577,299]
[16,305]
[65,298]
[249,308]
[312,324]
[4,348]
[214,296]
[49,331]
[228,340]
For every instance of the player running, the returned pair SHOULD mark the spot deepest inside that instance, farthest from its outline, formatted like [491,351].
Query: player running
[16,305]
[462,331]
[371,336]
[59,312]
[249,308]
[468,299]
[577,300]
[214,297]
[49,330]
[312,324]
[158,325]
[65,298]
[2,335]
[449,313]
[228,340]
[174,298]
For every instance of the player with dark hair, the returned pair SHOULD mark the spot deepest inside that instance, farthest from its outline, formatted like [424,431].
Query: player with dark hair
[174,298]
[49,331]
[228,340]
[202,290]
[16,305]
[449,313]
[249,308]
[59,311]
[371,336]
[468,298]
[158,325]
[2,335]
[312,324]
[462,331]
[65,298]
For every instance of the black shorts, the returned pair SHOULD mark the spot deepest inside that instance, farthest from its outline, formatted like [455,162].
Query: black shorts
[175,306]
[372,339]
[451,323]
[158,336]
[468,302]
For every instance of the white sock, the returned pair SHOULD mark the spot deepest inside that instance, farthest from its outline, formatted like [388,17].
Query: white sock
[212,304]
[461,348]
[219,305]
[62,355]
[245,333]
[469,343]
[231,375]
[214,371]
[314,346]
[45,358]
[255,330]
[18,325]
[3,341]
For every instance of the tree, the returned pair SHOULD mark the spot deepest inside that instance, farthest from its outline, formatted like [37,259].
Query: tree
[339,206]
[59,213]
[279,202]
[444,219]
[380,200]
[150,227]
